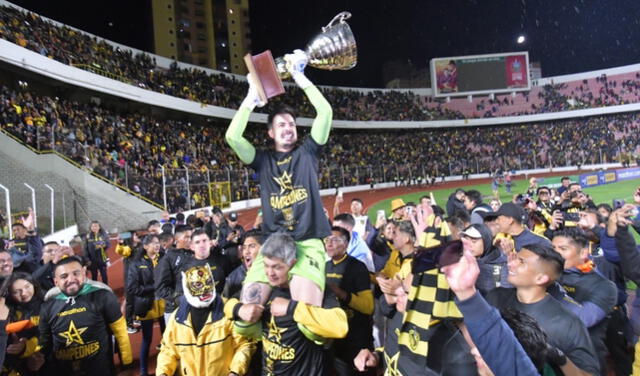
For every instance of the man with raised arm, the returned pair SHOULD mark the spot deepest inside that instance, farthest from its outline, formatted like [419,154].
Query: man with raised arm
[289,192]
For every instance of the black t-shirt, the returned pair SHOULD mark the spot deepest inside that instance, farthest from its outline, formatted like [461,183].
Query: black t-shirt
[352,276]
[564,329]
[592,287]
[290,192]
[75,331]
[286,351]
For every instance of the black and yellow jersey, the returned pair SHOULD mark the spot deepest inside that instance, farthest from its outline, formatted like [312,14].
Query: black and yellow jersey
[285,349]
[352,276]
[437,232]
[75,331]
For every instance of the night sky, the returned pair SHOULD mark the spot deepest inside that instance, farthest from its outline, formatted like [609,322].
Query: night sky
[564,36]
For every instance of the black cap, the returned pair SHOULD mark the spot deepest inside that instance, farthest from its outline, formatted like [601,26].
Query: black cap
[233,216]
[511,210]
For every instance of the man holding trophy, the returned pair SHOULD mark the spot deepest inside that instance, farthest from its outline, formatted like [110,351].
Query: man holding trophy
[289,192]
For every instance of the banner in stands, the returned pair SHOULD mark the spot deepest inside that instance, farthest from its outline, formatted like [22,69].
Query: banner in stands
[628,173]
[603,177]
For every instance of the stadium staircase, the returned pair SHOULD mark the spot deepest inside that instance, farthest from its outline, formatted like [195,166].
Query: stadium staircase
[87,196]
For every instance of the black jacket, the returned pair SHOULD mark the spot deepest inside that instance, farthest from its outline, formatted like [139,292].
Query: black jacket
[95,249]
[140,274]
[167,281]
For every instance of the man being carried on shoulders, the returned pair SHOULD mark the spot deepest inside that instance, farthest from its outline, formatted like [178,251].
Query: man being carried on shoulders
[289,192]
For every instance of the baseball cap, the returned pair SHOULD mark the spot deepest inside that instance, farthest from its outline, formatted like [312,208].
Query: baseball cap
[233,216]
[511,210]
[472,232]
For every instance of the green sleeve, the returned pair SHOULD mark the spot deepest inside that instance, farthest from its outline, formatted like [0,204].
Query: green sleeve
[240,145]
[324,114]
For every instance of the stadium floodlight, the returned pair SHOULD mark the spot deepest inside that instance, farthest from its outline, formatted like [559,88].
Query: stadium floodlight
[520,39]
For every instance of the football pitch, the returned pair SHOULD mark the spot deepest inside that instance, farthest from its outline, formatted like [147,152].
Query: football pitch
[600,194]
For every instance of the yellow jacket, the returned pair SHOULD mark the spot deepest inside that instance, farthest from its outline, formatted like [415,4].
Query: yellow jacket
[215,351]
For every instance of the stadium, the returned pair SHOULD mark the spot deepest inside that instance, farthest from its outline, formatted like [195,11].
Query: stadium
[97,132]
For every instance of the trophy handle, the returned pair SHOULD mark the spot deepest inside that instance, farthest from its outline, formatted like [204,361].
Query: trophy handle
[339,17]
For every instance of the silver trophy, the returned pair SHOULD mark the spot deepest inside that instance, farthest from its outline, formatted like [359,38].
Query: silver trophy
[334,48]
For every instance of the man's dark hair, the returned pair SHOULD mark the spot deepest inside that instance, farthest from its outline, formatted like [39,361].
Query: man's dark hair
[344,233]
[180,217]
[258,235]
[438,210]
[565,178]
[547,254]
[18,224]
[152,222]
[281,109]
[198,232]
[595,212]
[345,218]
[572,184]
[407,228]
[455,221]
[463,215]
[149,238]
[575,235]
[541,188]
[528,332]
[358,200]
[67,260]
[167,228]
[165,236]
[606,207]
[474,196]
[424,196]
[182,228]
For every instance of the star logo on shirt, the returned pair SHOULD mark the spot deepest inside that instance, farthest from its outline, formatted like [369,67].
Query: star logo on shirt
[73,334]
[285,182]
[274,331]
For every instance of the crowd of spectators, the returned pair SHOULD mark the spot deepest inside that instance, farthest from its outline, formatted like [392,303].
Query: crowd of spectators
[131,149]
[76,48]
